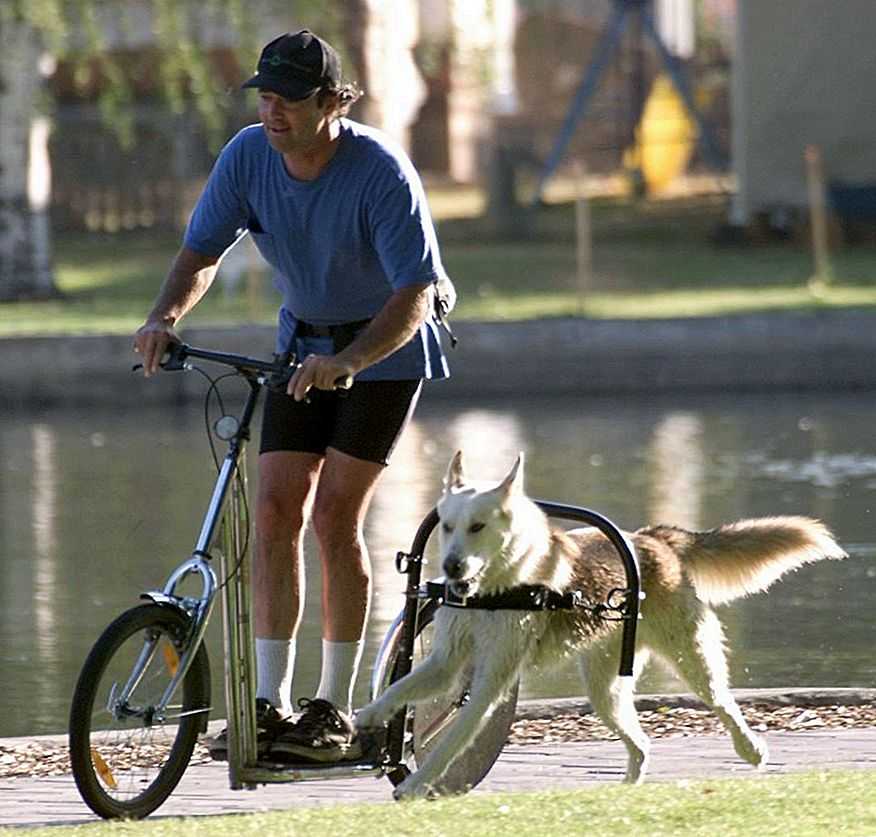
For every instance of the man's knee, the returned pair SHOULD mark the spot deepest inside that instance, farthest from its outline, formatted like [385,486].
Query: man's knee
[336,521]
[284,487]
[277,510]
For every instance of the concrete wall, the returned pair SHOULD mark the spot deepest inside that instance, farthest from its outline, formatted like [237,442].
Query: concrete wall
[824,350]
[803,74]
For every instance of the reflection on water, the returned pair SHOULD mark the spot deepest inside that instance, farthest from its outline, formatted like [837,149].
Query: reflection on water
[95,507]
[675,464]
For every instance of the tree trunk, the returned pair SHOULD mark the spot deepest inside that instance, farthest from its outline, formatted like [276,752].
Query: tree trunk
[25,243]
[381,36]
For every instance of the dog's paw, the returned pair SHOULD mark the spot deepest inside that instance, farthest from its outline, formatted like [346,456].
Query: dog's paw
[637,763]
[414,788]
[754,750]
[636,771]
[369,718]
[761,754]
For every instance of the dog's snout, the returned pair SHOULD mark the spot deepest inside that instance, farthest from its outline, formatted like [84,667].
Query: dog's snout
[453,565]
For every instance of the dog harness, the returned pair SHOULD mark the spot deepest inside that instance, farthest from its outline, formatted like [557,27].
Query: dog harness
[530,597]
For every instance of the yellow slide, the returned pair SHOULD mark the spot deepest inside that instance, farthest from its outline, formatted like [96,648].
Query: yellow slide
[665,138]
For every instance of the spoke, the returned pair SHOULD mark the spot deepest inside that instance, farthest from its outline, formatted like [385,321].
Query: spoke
[437,724]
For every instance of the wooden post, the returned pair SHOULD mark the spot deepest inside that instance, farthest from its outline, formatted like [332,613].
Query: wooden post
[583,236]
[823,271]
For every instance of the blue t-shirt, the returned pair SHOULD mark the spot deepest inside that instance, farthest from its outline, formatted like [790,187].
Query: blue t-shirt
[339,245]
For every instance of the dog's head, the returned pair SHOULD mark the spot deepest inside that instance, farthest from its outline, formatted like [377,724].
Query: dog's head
[480,528]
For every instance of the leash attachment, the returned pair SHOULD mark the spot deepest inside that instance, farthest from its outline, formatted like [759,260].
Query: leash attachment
[404,561]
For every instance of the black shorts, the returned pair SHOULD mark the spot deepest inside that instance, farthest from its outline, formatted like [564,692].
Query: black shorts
[364,421]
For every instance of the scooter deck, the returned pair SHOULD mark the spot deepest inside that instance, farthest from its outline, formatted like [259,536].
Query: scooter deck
[270,772]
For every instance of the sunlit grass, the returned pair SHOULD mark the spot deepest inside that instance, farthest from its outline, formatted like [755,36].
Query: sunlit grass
[453,201]
[663,304]
[838,803]
[653,259]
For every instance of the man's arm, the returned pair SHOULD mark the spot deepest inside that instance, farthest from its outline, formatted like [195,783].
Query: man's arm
[395,324]
[190,275]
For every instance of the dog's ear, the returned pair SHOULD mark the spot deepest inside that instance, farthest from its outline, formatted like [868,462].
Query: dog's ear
[513,482]
[454,478]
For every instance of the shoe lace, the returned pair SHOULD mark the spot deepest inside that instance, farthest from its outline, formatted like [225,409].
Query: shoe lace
[268,718]
[316,715]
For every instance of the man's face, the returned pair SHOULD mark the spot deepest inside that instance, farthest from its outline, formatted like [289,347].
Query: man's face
[293,126]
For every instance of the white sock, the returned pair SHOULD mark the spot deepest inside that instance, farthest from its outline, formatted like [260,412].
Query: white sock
[275,662]
[340,665]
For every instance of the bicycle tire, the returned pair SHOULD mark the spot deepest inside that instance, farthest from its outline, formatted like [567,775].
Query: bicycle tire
[469,768]
[126,767]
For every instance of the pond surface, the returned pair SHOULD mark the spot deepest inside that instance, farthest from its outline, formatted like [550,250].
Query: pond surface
[96,506]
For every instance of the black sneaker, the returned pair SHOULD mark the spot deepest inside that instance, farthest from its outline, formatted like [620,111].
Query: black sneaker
[269,724]
[322,734]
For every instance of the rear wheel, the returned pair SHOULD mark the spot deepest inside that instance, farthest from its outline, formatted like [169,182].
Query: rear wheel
[428,722]
[127,757]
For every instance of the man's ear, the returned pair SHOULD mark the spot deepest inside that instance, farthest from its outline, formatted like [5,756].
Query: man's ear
[327,102]
[454,478]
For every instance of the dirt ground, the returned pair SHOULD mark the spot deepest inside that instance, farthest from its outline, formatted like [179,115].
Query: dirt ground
[50,758]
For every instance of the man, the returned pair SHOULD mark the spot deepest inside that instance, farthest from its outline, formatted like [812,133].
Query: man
[339,213]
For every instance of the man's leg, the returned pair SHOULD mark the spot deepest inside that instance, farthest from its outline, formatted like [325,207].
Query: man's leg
[342,499]
[324,732]
[286,484]
[369,420]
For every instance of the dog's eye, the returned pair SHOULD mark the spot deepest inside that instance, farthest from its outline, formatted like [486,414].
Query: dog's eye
[476,527]
[446,527]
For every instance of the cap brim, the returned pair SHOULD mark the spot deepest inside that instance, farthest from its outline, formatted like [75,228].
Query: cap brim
[287,88]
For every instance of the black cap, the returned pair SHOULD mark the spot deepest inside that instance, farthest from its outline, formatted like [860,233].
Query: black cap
[296,65]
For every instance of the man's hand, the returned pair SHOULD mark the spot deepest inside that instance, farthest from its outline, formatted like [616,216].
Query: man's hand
[151,341]
[320,371]
[188,280]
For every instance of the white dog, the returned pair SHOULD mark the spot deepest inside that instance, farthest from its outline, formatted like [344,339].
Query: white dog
[494,538]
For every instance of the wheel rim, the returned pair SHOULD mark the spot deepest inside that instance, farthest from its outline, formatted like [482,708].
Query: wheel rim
[130,745]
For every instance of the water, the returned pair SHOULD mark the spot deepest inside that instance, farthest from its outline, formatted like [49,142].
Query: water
[97,506]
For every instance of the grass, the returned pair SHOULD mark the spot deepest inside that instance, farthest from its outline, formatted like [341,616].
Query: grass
[652,259]
[108,285]
[839,803]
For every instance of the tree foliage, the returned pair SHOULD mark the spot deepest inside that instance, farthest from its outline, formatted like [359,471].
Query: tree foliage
[118,50]
[77,31]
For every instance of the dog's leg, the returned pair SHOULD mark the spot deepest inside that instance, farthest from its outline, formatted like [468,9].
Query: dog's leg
[436,675]
[695,648]
[495,670]
[612,699]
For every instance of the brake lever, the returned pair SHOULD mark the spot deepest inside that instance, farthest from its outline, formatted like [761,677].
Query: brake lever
[341,387]
[279,380]
[176,354]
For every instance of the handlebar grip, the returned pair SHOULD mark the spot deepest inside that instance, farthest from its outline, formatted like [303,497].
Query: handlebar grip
[174,359]
[344,382]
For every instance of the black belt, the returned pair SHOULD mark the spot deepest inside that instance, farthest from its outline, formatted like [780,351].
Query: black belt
[343,333]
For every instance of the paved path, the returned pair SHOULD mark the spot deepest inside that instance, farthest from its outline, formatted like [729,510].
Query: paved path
[204,791]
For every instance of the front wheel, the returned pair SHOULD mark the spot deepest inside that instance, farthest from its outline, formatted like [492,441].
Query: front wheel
[427,723]
[126,754]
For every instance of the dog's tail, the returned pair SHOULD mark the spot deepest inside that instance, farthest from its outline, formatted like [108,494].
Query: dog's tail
[748,556]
